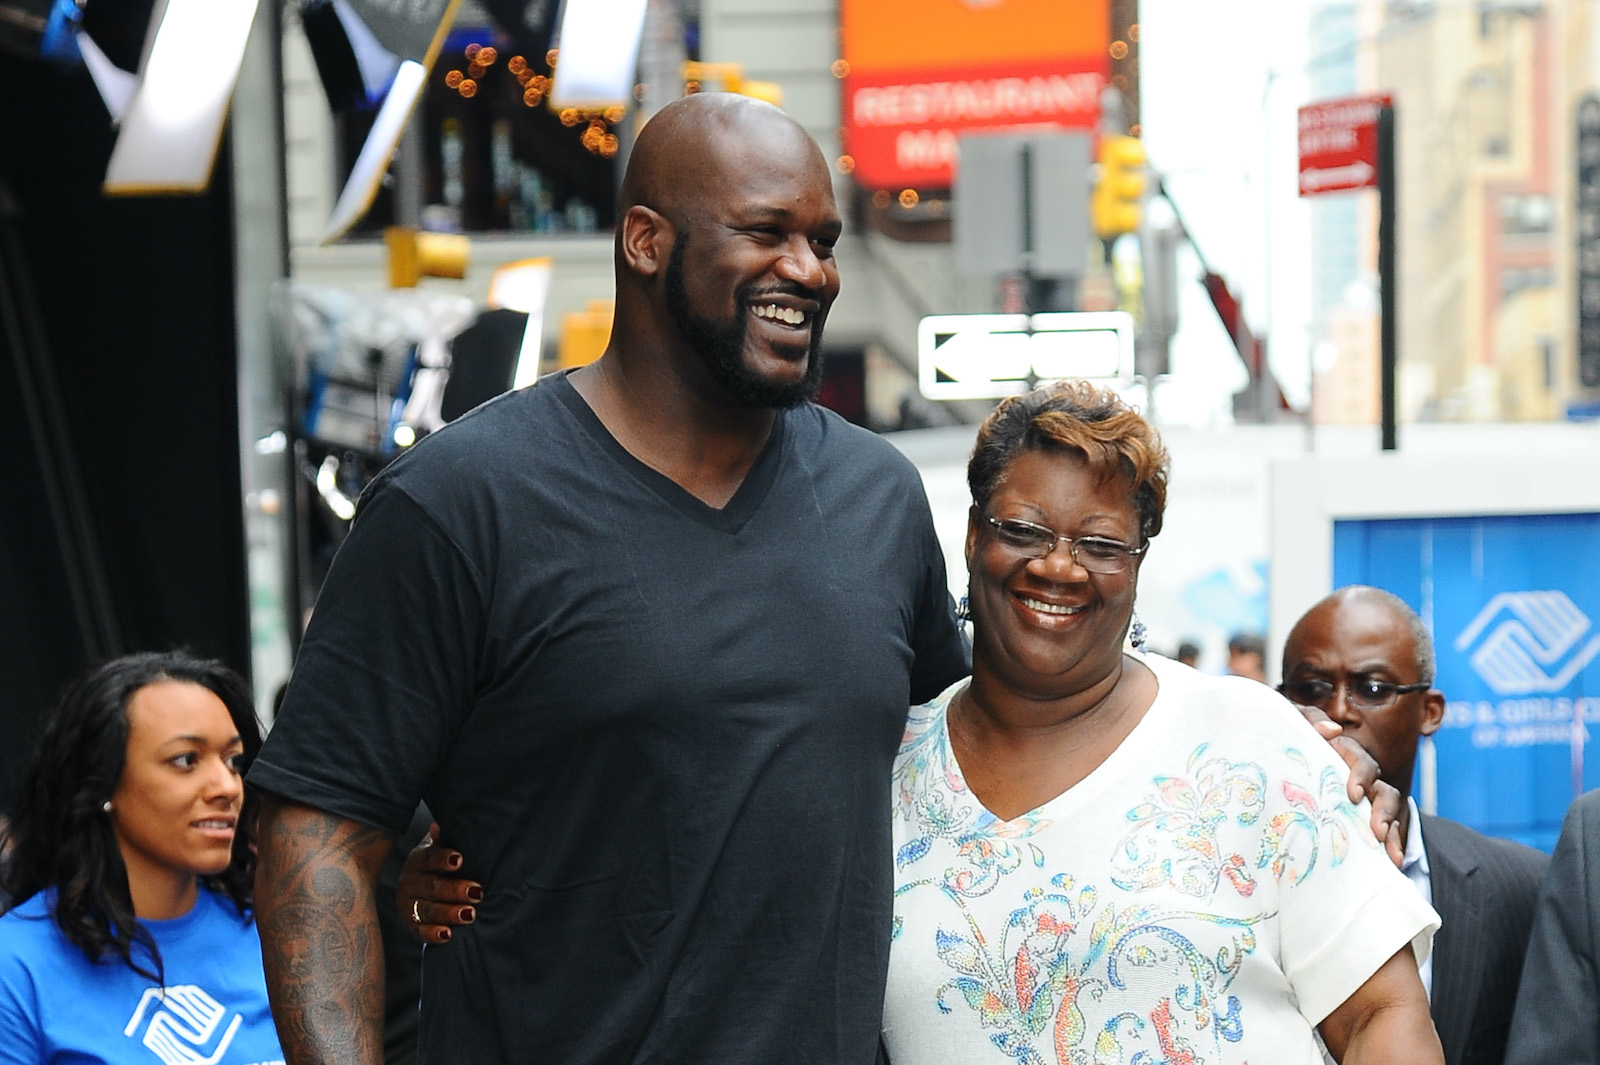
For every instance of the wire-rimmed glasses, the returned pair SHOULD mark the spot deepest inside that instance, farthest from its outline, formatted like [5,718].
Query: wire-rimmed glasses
[1097,554]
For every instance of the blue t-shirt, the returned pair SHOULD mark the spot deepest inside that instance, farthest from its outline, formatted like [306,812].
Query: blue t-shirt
[59,1008]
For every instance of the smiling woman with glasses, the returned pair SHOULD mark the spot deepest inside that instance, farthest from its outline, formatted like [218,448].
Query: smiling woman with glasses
[1103,853]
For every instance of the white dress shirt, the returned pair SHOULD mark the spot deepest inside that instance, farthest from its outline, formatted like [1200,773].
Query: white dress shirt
[1415,866]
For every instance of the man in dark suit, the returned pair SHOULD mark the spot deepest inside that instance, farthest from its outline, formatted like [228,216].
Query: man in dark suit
[1558,1015]
[1365,659]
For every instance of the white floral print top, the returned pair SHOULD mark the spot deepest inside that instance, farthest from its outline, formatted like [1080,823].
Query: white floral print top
[1207,895]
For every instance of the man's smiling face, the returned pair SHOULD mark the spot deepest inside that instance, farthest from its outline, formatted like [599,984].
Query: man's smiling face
[751,275]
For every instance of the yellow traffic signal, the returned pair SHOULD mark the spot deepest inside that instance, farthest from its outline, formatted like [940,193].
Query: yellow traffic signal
[1116,206]
[732,79]
[413,255]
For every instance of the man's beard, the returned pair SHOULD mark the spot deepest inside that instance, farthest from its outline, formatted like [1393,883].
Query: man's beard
[721,344]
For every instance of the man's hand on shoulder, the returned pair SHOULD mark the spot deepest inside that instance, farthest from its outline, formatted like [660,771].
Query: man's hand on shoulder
[1364,782]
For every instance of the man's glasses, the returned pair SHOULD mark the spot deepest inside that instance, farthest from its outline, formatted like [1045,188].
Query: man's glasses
[1363,693]
[1097,554]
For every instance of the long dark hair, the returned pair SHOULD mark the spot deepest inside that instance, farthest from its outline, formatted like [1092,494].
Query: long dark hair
[59,834]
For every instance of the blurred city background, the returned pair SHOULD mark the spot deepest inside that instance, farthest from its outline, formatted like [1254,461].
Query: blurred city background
[363,217]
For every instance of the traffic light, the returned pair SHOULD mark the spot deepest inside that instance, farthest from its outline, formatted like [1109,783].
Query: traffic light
[1116,205]
[414,255]
[731,78]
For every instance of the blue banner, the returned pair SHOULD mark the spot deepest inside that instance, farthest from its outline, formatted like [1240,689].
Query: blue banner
[1514,606]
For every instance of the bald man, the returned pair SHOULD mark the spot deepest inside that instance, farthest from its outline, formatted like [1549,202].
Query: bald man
[643,636]
[1365,658]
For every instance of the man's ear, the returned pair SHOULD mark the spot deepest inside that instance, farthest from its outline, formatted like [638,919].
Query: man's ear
[1432,711]
[646,240]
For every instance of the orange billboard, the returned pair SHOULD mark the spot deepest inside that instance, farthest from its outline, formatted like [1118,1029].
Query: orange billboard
[921,74]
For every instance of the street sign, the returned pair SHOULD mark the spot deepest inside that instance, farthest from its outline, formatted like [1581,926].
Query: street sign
[1339,144]
[1022,203]
[990,356]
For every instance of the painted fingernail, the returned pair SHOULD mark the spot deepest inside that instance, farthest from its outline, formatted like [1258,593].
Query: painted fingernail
[444,935]
[467,915]
[475,893]
[454,861]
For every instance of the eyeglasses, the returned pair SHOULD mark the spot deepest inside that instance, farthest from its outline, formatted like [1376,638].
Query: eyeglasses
[1097,554]
[1363,693]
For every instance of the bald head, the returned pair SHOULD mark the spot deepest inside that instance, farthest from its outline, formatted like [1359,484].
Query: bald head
[1357,596]
[1364,657]
[724,253]
[682,152]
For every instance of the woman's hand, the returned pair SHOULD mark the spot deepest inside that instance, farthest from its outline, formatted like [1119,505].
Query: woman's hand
[432,895]
[1364,782]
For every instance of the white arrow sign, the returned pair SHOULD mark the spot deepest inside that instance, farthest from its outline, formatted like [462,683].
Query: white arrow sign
[989,356]
[1353,175]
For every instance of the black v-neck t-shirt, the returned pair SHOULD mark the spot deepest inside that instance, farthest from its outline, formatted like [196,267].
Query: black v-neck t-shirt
[661,732]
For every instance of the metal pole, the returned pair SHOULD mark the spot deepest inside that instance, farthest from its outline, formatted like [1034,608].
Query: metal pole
[1388,321]
[1027,206]
[1030,297]
[1266,407]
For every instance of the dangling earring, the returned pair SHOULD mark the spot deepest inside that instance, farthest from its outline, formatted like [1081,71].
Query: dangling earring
[963,610]
[105,807]
[1136,634]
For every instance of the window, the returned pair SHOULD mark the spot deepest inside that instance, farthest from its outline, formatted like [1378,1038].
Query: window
[1531,215]
[1517,279]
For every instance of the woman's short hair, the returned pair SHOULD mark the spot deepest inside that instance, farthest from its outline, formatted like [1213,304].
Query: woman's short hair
[60,835]
[1074,416]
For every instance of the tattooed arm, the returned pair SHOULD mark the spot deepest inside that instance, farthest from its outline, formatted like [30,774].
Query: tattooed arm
[319,933]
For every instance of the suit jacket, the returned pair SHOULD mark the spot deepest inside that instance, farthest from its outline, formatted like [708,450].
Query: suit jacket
[1558,1014]
[1485,890]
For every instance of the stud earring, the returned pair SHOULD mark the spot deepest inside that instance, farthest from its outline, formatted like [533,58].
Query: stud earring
[105,807]
[963,610]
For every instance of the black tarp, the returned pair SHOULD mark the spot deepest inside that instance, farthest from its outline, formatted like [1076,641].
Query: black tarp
[134,299]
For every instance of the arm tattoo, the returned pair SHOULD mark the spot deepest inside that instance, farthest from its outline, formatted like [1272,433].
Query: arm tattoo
[319,933]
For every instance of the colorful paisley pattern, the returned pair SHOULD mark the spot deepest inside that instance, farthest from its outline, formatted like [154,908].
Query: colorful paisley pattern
[1159,976]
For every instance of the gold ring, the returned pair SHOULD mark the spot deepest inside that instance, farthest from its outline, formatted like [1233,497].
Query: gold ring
[416,914]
